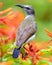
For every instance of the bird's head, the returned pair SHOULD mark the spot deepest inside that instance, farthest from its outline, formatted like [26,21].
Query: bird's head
[29,10]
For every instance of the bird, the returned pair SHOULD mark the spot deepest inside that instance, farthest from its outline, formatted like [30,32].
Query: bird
[26,30]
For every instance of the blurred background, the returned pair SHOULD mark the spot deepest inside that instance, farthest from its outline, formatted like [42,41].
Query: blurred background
[43,14]
[11,17]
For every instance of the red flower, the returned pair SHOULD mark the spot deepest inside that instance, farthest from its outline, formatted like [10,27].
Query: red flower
[11,21]
[32,50]
[48,33]
[1,4]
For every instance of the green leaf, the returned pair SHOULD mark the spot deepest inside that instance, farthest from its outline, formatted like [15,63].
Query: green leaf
[44,62]
[46,53]
[8,47]
[6,57]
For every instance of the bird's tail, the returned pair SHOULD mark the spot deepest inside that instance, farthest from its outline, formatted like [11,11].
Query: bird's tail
[16,52]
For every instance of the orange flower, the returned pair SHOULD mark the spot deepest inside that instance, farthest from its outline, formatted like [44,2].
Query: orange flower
[1,4]
[11,21]
[32,50]
[50,59]
[5,11]
[6,63]
[50,1]
[48,33]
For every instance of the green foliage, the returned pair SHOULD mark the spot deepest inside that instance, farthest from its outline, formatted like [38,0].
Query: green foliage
[8,47]
[6,57]
[17,61]
[44,62]
[46,52]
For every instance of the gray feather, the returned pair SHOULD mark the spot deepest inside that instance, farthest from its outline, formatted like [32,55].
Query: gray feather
[26,29]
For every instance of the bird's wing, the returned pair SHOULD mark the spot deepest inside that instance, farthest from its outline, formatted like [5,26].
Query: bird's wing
[27,21]
[25,30]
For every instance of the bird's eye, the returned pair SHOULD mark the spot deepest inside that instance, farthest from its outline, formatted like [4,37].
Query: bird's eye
[27,8]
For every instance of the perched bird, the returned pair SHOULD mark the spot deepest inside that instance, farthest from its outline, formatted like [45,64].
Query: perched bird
[26,30]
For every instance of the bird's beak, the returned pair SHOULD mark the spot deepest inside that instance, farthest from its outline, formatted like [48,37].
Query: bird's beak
[19,5]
